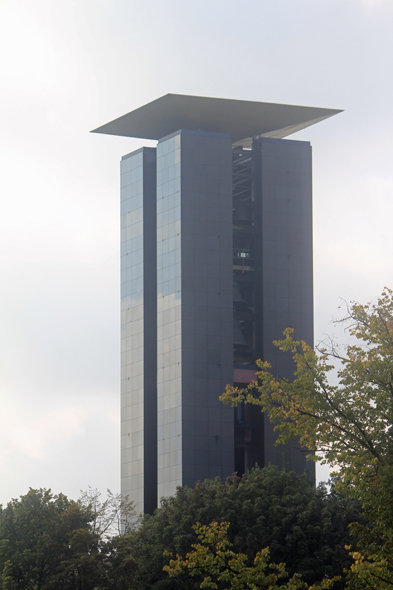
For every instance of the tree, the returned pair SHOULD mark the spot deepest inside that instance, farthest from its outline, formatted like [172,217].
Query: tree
[304,527]
[218,564]
[117,564]
[50,542]
[46,543]
[112,517]
[349,423]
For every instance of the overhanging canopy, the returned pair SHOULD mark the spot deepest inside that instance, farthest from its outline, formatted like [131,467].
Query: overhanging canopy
[239,118]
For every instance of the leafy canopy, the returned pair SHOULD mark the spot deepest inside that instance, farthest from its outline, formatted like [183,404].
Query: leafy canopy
[304,527]
[349,422]
[214,560]
[48,542]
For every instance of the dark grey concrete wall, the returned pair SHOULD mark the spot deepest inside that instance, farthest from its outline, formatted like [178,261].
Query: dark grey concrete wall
[285,265]
[150,330]
[207,305]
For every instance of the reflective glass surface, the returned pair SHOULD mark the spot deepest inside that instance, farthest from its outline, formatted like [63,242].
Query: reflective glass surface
[131,169]
[169,317]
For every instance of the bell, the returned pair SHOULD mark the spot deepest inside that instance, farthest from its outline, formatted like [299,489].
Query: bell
[238,338]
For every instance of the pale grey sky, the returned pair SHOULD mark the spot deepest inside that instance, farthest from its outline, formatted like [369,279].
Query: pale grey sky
[67,67]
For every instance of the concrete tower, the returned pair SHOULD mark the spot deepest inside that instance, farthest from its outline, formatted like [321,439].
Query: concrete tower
[216,232]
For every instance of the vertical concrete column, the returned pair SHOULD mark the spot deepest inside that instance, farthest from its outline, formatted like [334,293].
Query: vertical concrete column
[195,300]
[138,328]
[286,265]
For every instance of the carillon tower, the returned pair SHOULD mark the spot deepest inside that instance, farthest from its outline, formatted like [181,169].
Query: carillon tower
[216,261]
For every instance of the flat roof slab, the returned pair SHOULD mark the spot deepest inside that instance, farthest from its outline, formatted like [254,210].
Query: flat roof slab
[240,118]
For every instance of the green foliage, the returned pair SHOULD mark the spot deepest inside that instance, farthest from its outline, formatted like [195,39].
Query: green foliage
[46,543]
[351,422]
[304,527]
[214,560]
[118,565]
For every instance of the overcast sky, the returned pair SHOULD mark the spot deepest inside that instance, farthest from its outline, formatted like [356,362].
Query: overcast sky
[68,67]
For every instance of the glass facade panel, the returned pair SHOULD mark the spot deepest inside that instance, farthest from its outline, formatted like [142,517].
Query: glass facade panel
[169,392]
[132,337]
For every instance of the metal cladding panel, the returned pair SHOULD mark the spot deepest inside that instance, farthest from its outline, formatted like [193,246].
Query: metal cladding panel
[169,328]
[194,213]
[138,327]
[207,305]
[286,266]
